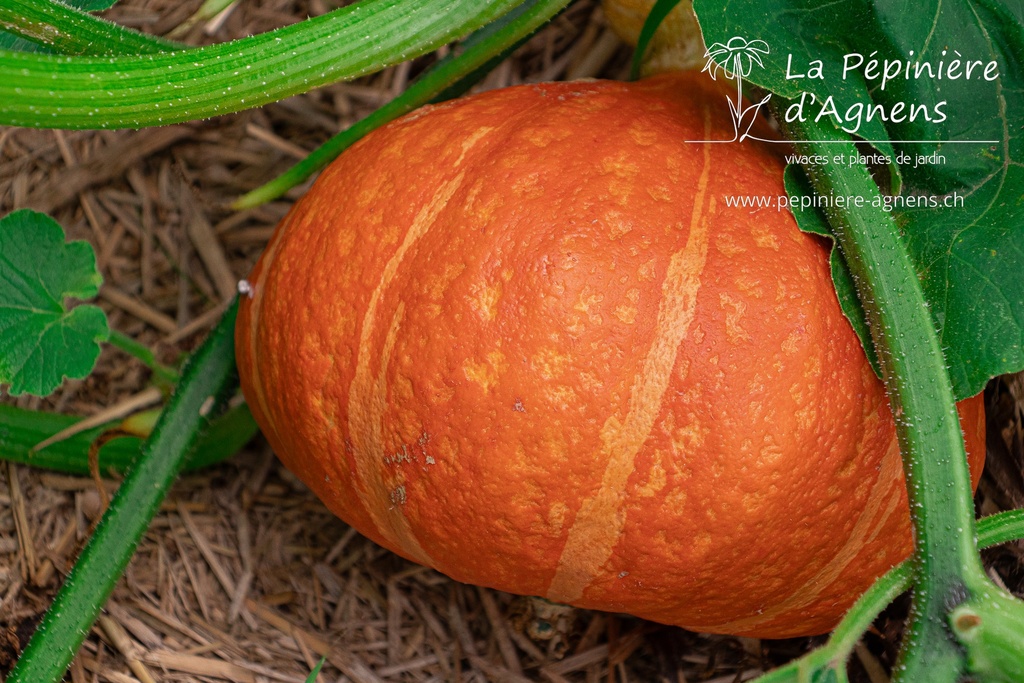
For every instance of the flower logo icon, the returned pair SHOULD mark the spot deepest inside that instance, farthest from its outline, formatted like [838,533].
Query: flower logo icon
[736,59]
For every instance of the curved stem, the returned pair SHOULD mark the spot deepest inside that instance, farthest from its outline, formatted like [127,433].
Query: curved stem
[70,31]
[134,91]
[946,563]
[163,374]
[659,11]
[479,52]
[833,655]
[207,380]
[21,430]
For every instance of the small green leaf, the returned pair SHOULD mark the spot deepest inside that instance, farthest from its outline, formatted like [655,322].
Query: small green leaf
[316,670]
[42,341]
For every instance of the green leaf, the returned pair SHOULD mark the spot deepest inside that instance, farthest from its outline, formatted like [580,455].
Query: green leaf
[970,261]
[798,32]
[945,33]
[961,213]
[970,257]
[316,670]
[42,341]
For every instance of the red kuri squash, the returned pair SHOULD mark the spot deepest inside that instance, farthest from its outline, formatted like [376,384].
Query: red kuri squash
[522,338]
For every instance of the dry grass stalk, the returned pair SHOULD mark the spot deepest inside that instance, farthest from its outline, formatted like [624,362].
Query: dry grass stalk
[26,539]
[123,644]
[348,663]
[145,398]
[209,250]
[201,666]
[112,162]
[140,310]
[60,549]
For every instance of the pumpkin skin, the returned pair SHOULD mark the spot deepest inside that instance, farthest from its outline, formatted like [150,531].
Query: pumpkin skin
[522,339]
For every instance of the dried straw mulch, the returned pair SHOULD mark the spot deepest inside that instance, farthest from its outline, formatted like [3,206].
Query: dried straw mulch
[244,576]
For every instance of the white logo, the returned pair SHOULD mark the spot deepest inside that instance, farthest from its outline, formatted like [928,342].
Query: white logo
[735,59]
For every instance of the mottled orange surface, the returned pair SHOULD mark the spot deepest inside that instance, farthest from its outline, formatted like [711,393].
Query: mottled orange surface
[522,339]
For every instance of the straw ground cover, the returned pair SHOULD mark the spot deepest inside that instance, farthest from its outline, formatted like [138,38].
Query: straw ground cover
[244,576]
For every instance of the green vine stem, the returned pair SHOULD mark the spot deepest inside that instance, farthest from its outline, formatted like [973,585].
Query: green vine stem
[207,380]
[163,374]
[21,430]
[993,530]
[134,91]
[947,567]
[445,79]
[66,30]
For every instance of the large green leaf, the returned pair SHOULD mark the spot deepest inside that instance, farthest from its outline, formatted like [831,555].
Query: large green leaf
[42,341]
[801,35]
[961,212]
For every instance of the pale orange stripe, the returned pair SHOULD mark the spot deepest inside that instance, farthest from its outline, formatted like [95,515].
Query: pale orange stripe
[367,394]
[600,521]
[869,524]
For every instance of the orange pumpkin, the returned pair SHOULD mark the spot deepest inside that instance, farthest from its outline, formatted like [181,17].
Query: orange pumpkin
[522,338]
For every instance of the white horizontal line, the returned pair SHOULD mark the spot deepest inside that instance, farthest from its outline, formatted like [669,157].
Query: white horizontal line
[871,142]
